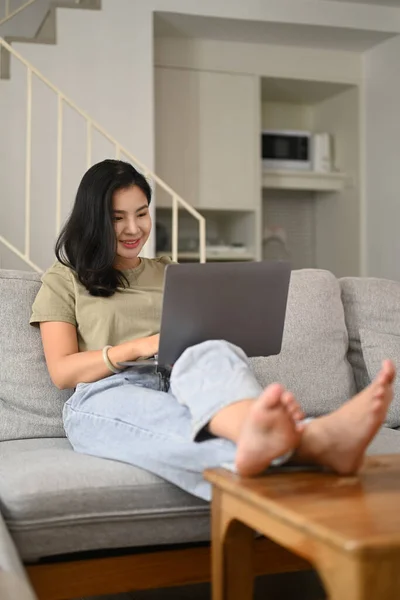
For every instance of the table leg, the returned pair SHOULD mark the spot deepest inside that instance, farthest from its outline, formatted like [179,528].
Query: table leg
[356,577]
[232,553]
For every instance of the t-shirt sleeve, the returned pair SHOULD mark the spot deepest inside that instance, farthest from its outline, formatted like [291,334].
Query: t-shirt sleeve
[166,260]
[55,300]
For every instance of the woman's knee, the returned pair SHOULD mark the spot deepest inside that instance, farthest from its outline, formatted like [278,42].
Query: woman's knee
[213,357]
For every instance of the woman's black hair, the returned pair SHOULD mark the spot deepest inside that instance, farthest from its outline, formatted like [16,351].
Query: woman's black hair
[87,242]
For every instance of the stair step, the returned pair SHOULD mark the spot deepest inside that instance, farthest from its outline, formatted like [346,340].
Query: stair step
[24,40]
[4,64]
[47,29]
[85,4]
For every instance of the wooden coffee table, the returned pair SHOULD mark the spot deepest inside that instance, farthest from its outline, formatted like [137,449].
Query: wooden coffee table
[348,528]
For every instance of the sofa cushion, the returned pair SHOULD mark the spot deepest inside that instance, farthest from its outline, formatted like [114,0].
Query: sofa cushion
[56,501]
[30,404]
[372,305]
[376,347]
[312,363]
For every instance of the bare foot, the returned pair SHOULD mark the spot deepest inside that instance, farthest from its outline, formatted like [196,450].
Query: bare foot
[268,431]
[339,440]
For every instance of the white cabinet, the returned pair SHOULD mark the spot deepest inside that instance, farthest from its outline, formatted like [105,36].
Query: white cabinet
[207,138]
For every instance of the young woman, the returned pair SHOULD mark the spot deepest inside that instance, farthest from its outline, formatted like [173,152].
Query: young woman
[100,304]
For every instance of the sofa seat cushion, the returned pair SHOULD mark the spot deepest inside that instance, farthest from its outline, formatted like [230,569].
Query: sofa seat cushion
[313,362]
[372,311]
[56,501]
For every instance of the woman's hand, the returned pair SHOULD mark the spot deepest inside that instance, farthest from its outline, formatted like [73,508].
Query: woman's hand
[148,346]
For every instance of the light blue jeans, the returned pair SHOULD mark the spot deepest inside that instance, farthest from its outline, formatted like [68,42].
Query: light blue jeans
[157,423]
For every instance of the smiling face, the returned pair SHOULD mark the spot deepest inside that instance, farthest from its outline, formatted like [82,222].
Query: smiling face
[132,225]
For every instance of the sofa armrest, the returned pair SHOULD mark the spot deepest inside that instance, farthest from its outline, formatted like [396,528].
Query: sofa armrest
[14,582]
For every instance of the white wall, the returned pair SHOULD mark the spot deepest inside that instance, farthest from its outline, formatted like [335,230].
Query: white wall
[307,12]
[338,215]
[27,22]
[104,61]
[333,219]
[97,62]
[282,115]
[265,60]
[382,161]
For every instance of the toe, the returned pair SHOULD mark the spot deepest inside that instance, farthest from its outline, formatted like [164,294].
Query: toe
[390,369]
[298,415]
[288,400]
[387,373]
[292,407]
[272,395]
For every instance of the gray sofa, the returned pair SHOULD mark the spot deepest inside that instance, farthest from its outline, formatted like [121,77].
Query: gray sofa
[82,525]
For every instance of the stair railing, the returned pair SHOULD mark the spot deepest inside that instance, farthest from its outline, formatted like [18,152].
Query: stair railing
[91,126]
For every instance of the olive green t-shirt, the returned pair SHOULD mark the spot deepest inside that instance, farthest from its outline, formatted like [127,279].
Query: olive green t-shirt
[132,312]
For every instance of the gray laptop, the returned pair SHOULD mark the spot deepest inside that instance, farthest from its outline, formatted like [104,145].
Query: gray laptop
[243,303]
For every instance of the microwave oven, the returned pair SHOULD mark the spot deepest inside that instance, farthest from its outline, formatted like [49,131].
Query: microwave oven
[283,149]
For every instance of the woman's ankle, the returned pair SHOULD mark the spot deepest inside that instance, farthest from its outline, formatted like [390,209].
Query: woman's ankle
[228,422]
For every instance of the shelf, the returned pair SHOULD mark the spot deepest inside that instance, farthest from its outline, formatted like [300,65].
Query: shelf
[216,256]
[304,180]
[204,210]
